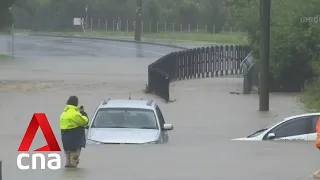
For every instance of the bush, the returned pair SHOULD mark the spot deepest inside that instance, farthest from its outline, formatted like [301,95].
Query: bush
[293,43]
[311,96]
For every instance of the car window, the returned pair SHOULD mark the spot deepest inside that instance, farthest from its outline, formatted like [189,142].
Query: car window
[314,123]
[292,128]
[125,118]
[160,116]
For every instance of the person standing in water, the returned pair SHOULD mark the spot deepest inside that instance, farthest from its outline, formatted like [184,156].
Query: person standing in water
[72,125]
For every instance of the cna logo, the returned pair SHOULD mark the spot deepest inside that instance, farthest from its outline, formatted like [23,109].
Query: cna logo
[53,160]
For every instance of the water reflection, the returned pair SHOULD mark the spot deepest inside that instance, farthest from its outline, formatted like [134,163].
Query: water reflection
[139,50]
[74,173]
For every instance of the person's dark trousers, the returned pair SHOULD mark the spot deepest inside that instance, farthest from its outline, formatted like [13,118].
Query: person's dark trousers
[73,140]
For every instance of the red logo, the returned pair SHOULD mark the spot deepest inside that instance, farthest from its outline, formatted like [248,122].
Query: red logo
[39,119]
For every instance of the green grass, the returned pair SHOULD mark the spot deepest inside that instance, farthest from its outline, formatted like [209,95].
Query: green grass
[229,38]
[311,96]
[4,57]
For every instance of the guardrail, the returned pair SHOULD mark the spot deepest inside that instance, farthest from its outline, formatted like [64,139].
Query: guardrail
[202,62]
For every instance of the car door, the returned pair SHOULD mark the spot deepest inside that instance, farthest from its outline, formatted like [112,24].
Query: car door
[295,129]
[164,133]
[312,134]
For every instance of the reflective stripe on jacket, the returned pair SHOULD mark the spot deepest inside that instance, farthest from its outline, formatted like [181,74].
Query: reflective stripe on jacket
[72,128]
[318,134]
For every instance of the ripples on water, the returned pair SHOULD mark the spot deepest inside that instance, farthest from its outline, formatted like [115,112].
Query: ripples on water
[205,117]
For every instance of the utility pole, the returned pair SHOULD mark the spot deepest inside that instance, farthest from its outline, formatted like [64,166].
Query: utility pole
[265,8]
[137,33]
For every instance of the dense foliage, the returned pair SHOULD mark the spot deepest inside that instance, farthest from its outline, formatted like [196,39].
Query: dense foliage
[58,14]
[294,38]
[5,14]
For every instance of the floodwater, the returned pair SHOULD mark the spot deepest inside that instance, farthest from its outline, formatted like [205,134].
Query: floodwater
[205,117]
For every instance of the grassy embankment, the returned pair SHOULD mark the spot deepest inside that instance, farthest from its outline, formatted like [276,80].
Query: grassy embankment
[4,57]
[227,37]
[311,96]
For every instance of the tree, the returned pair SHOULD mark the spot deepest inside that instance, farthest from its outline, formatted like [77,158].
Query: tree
[293,42]
[58,14]
[5,13]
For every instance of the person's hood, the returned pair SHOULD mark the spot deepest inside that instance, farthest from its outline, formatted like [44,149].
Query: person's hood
[70,107]
[123,135]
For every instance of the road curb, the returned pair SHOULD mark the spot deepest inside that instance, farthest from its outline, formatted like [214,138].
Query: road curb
[109,39]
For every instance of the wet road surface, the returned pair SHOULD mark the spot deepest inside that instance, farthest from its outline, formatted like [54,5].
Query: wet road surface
[205,118]
[35,47]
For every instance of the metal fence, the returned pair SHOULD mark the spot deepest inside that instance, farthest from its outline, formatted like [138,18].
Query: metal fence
[126,26]
[194,63]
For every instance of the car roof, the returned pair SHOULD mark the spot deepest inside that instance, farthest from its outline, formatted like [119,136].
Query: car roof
[302,115]
[128,103]
[292,117]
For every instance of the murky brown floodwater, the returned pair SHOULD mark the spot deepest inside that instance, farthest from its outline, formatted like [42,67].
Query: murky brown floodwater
[205,117]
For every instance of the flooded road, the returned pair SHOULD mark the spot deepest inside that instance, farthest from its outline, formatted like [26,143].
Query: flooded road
[205,117]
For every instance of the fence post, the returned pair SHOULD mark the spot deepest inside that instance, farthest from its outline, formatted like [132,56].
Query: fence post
[165,26]
[247,81]
[113,25]
[245,84]
[150,27]
[127,27]
[197,28]
[172,27]
[167,90]
[99,23]
[181,27]
[150,88]
[91,24]
[106,24]
[189,27]
[157,28]
[141,27]
[12,43]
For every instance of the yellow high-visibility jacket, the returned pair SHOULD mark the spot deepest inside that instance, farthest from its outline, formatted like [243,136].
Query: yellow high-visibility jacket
[72,124]
[71,118]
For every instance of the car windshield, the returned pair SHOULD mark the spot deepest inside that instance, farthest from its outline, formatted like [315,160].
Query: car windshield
[257,133]
[125,118]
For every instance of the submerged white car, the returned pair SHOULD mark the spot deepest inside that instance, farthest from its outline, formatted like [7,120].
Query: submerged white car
[300,127]
[128,122]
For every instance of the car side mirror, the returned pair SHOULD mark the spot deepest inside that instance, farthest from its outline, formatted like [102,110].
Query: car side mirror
[167,127]
[86,127]
[271,136]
